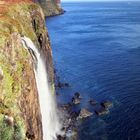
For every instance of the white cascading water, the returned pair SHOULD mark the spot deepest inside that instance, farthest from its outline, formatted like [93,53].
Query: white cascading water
[50,121]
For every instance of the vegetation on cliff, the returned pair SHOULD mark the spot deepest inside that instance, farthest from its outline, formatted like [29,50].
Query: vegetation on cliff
[20,116]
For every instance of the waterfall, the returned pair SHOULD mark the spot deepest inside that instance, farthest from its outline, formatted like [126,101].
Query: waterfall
[50,121]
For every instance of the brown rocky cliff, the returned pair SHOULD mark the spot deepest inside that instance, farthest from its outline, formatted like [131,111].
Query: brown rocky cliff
[50,7]
[19,102]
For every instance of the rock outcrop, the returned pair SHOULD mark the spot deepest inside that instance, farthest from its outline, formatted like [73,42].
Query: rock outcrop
[50,7]
[20,116]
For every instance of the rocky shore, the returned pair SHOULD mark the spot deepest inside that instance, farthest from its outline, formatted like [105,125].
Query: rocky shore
[71,116]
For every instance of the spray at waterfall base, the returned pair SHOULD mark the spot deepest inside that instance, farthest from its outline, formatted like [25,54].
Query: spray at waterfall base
[49,112]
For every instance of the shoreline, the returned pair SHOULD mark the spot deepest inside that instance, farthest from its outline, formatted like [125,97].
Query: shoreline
[54,15]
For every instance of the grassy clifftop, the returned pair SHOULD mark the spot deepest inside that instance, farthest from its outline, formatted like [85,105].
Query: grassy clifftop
[20,116]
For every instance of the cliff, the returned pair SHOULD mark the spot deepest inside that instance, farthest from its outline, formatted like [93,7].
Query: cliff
[20,117]
[50,7]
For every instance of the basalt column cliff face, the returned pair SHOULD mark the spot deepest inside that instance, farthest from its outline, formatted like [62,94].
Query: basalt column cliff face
[20,117]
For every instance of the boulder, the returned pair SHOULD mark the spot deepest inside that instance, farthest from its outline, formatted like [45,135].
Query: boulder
[76,100]
[106,104]
[77,95]
[101,111]
[66,107]
[62,85]
[66,84]
[74,115]
[84,113]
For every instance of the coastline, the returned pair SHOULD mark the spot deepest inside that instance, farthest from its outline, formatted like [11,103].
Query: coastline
[53,15]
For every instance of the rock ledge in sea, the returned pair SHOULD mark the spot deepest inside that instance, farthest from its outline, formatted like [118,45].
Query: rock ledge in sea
[84,113]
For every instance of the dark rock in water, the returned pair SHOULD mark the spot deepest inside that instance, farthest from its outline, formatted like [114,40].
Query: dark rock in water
[59,137]
[66,124]
[76,100]
[55,71]
[77,95]
[84,113]
[67,85]
[92,102]
[101,111]
[62,85]
[66,107]
[106,104]
[74,115]
[70,122]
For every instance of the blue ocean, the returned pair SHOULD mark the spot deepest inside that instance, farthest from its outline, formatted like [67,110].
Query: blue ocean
[96,49]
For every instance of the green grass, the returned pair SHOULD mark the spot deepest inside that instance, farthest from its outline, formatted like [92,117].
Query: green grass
[15,132]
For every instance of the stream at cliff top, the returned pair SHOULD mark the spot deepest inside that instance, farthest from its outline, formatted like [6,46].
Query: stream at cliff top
[50,121]
[96,49]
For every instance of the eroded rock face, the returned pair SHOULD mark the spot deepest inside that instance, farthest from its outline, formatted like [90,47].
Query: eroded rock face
[50,7]
[18,90]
